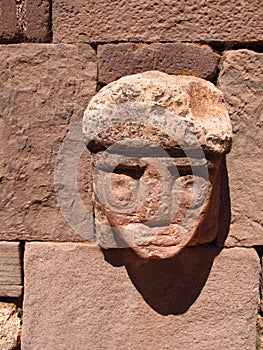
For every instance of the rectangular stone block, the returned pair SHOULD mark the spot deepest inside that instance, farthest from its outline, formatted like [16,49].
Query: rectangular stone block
[9,27]
[201,299]
[240,80]
[10,270]
[117,60]
[25,20]
[151,21]
[44,90]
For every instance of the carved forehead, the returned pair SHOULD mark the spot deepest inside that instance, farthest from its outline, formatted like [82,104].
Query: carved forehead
[191,101]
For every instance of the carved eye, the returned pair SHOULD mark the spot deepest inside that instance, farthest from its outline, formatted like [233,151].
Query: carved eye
[134,169]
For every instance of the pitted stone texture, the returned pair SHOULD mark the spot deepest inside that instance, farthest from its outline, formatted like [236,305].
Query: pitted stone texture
[10,270]
[9,25]
[260,332]
[25,20]
[187,105]
[241,82]
[117,60]
[144,305]
[174,210]
[151,21]
[44,90]
[158,211]
[10,326]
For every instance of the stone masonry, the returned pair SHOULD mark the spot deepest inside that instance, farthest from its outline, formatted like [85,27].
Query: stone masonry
[25,20]
[45,89]
[58,288]
[153,21]
[241,80]
[136,304]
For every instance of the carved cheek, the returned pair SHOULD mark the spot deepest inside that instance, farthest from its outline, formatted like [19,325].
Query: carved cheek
[123,187]
[133,200]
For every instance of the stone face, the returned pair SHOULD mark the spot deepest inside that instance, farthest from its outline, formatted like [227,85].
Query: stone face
[24,21]
[10,270]
[74,297]
[10,326]
[241,82]
[117,60]
[155,203]
[44,89]
[170,211]
[152,21]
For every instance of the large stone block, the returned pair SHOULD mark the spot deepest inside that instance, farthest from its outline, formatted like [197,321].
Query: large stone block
[240,80]
[117,60]
[78,299]
[25,20]
[151,21]
[10,270]
[44,91]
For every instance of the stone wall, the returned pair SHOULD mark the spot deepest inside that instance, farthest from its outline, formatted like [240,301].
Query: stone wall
[54,57]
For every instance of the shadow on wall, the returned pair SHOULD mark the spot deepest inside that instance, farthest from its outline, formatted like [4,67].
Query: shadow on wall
[171,286]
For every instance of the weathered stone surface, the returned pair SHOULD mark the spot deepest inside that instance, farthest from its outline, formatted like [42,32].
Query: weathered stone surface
[10,326]
[260,333]
[241,82]
[153,203]
[150,21]
[9,28]
[38,21]
[24,20]
[158,213]
[10,270]
[189,112]
[74,297]
[44,89]
[117,60]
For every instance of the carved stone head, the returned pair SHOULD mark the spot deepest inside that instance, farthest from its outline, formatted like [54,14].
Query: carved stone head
[157,142]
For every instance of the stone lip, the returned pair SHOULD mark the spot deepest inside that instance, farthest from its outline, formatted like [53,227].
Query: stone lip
[192,106]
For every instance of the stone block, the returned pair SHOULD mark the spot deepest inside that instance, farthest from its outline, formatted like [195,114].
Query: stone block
[9,27]
[241,82]
[10,270]
[38,21]
[44,91]
[10,326]
[117,60]
[152,21]
[25,20]
[78,298]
